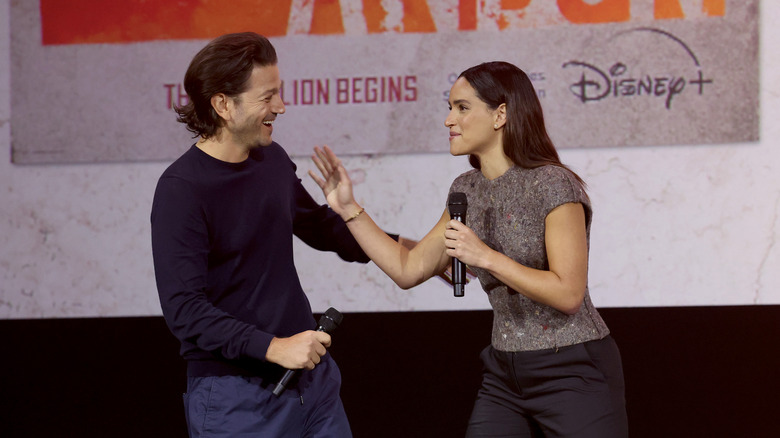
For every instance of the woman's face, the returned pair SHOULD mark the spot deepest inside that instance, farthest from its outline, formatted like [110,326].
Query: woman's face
[470,122]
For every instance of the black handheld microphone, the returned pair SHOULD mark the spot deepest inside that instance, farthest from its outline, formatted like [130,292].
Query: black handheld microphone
[328,323]
[457,205]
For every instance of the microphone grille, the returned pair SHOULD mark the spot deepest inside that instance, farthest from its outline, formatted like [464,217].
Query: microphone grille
[330,320]
[456,203]
[457,198]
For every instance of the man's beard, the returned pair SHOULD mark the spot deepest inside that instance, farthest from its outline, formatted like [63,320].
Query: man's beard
[252,137]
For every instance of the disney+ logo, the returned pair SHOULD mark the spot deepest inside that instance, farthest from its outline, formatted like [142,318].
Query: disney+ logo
[595,84]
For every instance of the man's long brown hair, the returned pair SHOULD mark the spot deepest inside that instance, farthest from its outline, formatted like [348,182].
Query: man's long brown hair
[223,66]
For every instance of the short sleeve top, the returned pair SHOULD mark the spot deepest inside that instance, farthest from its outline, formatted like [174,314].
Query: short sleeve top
[508,213]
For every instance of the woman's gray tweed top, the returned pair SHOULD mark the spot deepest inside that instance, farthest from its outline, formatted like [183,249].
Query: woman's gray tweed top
[508,213]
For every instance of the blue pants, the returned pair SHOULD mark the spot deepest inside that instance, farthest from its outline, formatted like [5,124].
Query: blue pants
[238,406]
[575,391]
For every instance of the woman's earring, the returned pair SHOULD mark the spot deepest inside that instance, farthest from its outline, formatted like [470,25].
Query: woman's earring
[495,126]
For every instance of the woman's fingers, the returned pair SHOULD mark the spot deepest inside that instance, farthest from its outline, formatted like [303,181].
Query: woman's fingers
[322,160]
[320,182]
[327,159]
[334,160]
[321,165]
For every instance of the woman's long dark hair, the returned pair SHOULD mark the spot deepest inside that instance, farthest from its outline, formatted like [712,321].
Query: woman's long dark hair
[525,141]
[223,66]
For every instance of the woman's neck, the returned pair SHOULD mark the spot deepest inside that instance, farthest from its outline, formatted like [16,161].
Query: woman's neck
[494,165]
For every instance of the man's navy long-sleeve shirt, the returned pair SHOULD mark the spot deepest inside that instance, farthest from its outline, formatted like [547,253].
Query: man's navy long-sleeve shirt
[222,241]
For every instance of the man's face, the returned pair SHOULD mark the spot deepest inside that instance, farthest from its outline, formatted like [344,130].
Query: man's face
[256,108]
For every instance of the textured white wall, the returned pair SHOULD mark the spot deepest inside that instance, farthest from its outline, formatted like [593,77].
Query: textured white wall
[673,225]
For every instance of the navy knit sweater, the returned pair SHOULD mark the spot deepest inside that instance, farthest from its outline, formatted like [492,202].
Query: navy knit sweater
[222,241]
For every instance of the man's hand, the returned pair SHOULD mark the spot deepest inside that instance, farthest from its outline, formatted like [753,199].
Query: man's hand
[303,350]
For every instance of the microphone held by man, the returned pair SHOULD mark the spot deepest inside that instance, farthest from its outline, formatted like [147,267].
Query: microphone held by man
[328,322]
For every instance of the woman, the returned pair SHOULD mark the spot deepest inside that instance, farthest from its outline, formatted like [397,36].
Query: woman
[552,369]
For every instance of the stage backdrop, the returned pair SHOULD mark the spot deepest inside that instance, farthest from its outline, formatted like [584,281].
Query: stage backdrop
[686,195]
[372,76]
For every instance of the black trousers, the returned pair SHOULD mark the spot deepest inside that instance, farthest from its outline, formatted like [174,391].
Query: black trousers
[574,391]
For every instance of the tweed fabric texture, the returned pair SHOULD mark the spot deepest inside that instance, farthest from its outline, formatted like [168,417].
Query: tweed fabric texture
[508,213]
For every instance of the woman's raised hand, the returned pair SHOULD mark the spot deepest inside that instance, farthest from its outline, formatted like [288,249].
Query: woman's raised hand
[335,182]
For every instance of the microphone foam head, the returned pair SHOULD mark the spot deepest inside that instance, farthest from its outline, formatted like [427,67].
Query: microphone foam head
[330,320]
[457,204]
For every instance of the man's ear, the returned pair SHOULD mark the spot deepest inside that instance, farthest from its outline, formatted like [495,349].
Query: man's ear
[221,105]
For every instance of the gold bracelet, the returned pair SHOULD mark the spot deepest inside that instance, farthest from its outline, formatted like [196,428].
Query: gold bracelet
[354,216]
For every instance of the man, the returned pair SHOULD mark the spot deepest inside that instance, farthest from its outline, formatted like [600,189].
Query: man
[223,218]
